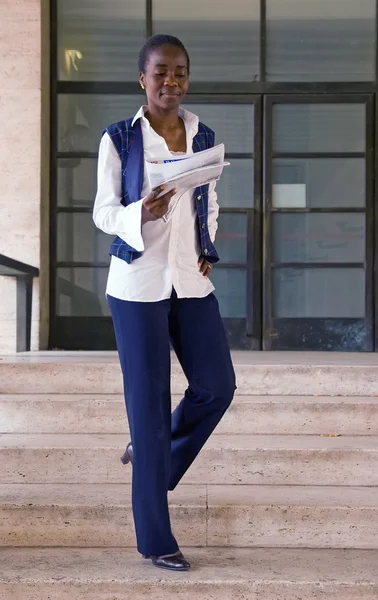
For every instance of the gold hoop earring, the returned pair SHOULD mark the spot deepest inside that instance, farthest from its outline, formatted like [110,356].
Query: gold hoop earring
[142,86]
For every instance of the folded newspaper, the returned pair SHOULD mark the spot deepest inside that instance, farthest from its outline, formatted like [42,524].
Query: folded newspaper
[187,172]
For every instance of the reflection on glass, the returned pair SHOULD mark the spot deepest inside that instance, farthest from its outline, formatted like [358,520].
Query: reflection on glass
[323,183]
[319,40]
[319,293]
[233,124]
[319,128]
[77,181]
[231,240]
[80,292]
[79,240]
[231,291]
[100,41]
[235,187]
[222,38]
[82,118]
[319,237]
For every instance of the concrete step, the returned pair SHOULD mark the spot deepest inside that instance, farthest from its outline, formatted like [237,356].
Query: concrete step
[90,515]
[238,516]
[225,459]
[292,516]
[258,373]
[105,413]
[224,574]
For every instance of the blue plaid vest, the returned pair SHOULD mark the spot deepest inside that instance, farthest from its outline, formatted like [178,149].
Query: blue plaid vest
[128,141]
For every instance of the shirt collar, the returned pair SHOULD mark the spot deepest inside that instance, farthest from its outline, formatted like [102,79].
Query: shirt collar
[140,115]
[190,119]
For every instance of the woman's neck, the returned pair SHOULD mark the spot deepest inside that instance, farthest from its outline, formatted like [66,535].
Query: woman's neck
[163,121]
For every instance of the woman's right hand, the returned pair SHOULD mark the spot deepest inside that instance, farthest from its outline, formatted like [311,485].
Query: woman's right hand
[155,208]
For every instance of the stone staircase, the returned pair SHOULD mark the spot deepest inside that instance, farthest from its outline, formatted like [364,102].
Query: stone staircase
[281,504]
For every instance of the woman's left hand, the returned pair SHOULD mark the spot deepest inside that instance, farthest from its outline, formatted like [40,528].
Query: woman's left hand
[204,266]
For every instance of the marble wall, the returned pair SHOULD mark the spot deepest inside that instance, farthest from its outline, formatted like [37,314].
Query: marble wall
[21,132]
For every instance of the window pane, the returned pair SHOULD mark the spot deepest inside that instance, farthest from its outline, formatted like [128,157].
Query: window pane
[319,128]
[77,182]
[222,38]
[82,118]
[233,124]
[318,40]
[79,240]
[108,35]
[235,187]
[319,183]
[306,293]
[230,289]
[80,292]
[231,240]
[319,237]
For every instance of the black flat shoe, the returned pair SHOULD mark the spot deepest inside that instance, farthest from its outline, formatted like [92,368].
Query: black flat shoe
[128,456]
[173,562]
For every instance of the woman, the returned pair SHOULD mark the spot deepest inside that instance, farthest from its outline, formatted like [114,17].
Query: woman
[159,292]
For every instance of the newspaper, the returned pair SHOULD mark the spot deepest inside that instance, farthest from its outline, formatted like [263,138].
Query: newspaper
[194,179]
[187,172]
[189,180]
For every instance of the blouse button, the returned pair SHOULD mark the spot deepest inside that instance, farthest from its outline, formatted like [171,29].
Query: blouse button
[198,197]
[206,251]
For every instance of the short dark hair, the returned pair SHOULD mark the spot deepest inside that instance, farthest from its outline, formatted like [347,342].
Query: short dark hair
[156,41]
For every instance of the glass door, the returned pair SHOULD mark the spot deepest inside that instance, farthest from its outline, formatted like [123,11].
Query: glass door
[80,316]
[318,223]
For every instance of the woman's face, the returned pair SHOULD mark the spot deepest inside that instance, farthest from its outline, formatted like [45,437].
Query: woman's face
[166,77]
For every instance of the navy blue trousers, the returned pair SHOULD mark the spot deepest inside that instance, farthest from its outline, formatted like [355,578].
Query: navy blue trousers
[166,444]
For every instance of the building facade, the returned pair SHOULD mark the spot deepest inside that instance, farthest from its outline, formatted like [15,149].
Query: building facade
[290,87]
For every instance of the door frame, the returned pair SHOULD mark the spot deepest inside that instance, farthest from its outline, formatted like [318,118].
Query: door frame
[247,336]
